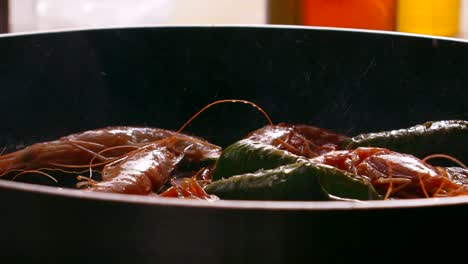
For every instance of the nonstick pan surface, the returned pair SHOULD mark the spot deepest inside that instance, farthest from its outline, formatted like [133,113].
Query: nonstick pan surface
[57,83]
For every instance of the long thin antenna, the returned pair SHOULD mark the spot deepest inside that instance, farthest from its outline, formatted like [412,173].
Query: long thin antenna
[221,102]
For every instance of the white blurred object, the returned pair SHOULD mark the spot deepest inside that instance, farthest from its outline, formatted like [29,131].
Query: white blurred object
[94,13]
[29,15]
[219,12]
[22,15]
[464,19]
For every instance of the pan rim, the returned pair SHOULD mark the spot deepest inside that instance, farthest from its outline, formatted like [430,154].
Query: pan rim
[230,26]
[59,192]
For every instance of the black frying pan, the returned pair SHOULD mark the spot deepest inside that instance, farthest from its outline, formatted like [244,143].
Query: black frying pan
[58,83]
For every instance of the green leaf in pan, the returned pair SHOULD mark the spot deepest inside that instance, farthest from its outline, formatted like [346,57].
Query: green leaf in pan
[298,181]
[447,137]
[246,156]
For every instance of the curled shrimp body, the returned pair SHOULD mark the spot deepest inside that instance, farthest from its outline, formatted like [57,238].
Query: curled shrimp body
[394,174]
[302,140]
[147,169]
[78,150]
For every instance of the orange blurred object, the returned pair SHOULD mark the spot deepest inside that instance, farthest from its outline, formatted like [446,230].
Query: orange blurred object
[365,14]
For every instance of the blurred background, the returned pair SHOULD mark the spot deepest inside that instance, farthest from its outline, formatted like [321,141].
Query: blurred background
[433,17]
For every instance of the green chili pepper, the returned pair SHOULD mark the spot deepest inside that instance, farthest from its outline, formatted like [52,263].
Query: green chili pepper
[249,156]
[297,181]
[447,137]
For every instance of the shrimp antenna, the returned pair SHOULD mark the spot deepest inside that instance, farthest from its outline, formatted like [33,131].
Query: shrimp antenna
[3,150]
[106,150]
[34,172]
[423,187]
[444,156]
[221,102]
[91,163]
[390,186]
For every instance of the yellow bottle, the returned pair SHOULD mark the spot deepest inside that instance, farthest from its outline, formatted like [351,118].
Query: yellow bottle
[433,17]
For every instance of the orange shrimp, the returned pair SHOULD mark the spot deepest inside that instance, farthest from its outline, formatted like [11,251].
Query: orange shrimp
[396,175]
[146,170]
[302,140]
[78,150]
